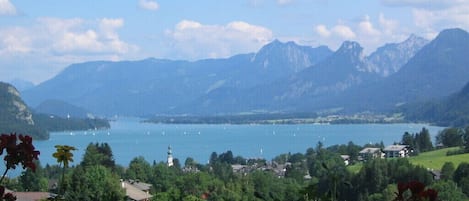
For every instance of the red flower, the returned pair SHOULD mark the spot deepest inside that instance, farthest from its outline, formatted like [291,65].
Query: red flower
[9,197]
[416,187]
[431,194]
[23,153]
[401,188]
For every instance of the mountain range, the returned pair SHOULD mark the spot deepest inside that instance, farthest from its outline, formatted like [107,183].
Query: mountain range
[16,117]
[452,111]
[280,77]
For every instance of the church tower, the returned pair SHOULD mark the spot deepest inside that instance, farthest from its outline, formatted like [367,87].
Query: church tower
[170,157]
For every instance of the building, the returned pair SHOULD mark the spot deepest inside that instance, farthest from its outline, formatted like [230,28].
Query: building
[136,191]
[346,159]
[370,153]
[30,196]
[396,151]
[170,157]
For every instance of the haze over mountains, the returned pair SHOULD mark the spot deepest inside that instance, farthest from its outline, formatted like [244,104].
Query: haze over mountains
[280,77]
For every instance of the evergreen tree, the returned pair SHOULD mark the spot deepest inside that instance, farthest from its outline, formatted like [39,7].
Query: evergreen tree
[98,154]
[139,169]
[447,171]
[94,183]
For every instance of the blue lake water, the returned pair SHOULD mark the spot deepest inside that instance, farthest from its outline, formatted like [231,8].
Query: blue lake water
[129,138]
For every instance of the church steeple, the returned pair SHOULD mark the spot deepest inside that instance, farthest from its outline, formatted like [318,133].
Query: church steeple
[170,157]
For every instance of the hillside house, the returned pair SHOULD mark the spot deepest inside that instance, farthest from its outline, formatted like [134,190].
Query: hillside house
[396,151]
[136,191]
[30,196]
[370,153]
[346,159]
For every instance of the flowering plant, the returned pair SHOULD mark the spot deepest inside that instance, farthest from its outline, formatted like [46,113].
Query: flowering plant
[23,153]
[417,192]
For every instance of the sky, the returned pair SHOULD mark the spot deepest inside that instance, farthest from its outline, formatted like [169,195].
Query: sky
[38,39]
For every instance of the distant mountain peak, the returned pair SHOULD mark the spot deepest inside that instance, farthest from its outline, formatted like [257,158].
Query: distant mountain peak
[452,32]
[450,37]
[12,105]
[351,47]
[354,52]
[388,59]
[414,39]
[290,55]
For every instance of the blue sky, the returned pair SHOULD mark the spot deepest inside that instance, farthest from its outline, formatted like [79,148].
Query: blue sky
[38,39]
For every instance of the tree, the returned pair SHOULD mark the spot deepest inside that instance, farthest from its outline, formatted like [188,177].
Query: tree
[423,140]
[461,177]
[226,157]
[139,169]
[448,191]
[466,140]
[408,139]
[33,181]
[64,156]
[94,183]
[447,171]
[98,154]
[450,137]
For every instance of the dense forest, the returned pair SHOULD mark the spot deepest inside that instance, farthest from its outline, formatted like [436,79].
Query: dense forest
[318,174]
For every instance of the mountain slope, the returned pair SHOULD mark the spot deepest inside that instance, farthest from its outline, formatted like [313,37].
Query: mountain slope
[15,115]
[155,86]
[388,59]
[437,70]
[343,69]
[61,109]
[452,111]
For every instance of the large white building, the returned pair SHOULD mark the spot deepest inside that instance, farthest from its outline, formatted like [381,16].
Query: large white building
[396,151]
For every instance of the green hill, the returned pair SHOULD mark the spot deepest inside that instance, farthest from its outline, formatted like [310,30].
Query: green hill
[436,159]
[15,116]
[431,160]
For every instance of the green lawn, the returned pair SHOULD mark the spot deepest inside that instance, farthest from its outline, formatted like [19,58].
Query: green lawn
[436,159]
[432,160]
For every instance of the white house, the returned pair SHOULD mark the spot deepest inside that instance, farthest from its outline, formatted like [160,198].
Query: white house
[370,153]
[396,151]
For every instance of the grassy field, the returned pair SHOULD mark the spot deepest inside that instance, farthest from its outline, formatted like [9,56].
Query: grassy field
[432,159]
[436,159]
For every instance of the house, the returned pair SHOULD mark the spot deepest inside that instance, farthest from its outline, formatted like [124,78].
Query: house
[396,151]
[30,196]
[435,174]
[346,159]
[136,191]
[370,153]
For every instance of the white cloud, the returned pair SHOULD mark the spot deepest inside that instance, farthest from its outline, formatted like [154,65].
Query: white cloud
[148,4]
[7,8]
[14,41]
[338,31]
[431,16]
[75,36]
[191,39]
[322,31]
[56,43]
[343,31]
[365,27]
[370,33]
[388,26]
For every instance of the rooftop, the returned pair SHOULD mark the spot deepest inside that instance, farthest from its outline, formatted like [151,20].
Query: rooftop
[369,150]
[395,147]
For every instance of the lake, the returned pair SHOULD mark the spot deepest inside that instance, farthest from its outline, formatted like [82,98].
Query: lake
[130,138]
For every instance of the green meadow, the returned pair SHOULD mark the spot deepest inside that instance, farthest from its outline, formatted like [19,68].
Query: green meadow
[436,159]
[432,160]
